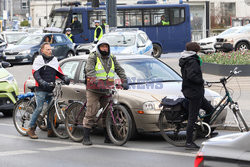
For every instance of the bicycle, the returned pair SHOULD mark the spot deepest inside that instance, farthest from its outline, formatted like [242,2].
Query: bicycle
[26,105]
[118,121]
[174,131]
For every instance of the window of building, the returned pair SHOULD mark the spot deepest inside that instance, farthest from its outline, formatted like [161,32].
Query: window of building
[24,4]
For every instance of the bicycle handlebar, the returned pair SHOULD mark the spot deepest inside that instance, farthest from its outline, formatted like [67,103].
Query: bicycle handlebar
[224,79]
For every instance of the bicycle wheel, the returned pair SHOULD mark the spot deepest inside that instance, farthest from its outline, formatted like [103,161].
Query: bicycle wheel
[74,120]
[242,125]
[119,126]
[22,113]
[174,133]
[57,125]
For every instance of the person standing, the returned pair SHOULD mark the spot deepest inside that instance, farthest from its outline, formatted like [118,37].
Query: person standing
[45,69]
[100,71]
[68,34]
[98,31]
[193,89]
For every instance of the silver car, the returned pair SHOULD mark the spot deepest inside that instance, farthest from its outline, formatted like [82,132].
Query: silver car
[150,80]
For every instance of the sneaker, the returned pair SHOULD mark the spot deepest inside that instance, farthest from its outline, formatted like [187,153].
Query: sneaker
[86,139]
[192,146]
[31,133]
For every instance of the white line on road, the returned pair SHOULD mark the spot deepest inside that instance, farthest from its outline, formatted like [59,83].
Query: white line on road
[17,152]
[2,124]
[79,146]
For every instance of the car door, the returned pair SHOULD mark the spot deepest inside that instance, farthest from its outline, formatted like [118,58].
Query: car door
[60,48]
[73,91]
[147,43]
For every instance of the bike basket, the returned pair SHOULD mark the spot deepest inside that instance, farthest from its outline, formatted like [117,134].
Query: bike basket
[175,110]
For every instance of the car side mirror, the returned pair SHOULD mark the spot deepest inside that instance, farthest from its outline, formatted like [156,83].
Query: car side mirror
[5,64]
[141,45]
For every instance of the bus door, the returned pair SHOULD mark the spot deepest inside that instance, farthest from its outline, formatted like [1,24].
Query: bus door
[76,25]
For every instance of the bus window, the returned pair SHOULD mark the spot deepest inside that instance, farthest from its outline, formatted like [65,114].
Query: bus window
[133,18]
[177,15]
[76,25]
[146,18]
[58,20]
[156,16]
[120,19]
[96,15]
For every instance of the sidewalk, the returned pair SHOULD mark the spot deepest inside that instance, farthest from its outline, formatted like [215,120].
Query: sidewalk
[240,87]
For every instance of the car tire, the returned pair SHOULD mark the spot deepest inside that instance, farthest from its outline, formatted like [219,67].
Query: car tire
[70,54]
[157,51]
[242,46]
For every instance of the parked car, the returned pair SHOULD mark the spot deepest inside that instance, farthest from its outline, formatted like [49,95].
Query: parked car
[150,80]
[8,90]
[11,37]
[3,45]
[207,44]
[240,40]
[125,42]
[228,150]
[28,48]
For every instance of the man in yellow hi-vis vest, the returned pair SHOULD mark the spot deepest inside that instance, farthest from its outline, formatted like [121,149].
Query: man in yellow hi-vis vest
[98,31]
[100,70]
[68,34]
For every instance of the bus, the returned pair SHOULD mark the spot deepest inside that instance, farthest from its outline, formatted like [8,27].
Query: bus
[170,37]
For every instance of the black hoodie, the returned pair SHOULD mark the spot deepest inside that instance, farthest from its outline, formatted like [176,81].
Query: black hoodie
[193,83]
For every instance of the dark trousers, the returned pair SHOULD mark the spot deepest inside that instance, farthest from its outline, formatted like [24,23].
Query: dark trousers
[193,109]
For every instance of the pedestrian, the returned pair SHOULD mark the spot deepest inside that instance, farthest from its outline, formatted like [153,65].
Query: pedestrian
[98,31]
[103,24]
[193,89]
[45,70]
[68,34]
[100,70]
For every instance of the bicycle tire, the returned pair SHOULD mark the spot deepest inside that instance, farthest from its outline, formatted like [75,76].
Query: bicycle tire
[171,133]
[23,113]
[58,126]
[240,121]
[74,121]
[119,132]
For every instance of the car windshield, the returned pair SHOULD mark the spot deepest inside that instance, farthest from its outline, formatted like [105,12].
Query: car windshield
[148,71]
[58,20]
[13,38]
[31,40]
[120,40]
[228,31]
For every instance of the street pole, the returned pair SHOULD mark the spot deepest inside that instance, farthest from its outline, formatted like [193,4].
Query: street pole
[4,20]
[111,11]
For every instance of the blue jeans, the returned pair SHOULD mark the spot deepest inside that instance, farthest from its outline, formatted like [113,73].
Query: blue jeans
[41,97]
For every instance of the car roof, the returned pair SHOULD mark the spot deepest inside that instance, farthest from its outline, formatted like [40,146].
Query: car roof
[118,57]
[13,32]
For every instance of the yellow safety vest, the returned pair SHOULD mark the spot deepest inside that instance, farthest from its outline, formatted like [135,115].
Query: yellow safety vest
[101,73]
[165,23]
[69,36]
[101,34]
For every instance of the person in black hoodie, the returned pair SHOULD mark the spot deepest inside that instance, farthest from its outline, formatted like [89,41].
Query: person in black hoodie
[45,69]
[193,89]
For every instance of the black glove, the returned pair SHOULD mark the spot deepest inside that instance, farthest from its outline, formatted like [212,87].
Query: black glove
[66,80]
[125,85]
[46,85]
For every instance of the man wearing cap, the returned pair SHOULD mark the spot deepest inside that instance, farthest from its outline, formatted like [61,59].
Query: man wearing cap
[68,34]
[100,68]
[76,26]
[98,31]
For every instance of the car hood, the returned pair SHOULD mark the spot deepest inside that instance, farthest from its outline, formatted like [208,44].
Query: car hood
[122,50]
[3,73]
[157,91]
[206,40]
[236,35]
[18,48]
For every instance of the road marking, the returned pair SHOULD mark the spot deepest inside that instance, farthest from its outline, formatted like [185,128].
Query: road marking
[6,124]
[17,152]
[73,145]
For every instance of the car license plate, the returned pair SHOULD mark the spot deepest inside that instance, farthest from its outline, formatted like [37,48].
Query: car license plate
[217,46]
[10,57]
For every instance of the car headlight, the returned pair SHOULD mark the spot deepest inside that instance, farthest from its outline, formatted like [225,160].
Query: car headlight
[25,52]
[148,106]
[9,79]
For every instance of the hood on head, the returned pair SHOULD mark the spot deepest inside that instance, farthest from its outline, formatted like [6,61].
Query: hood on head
[101,41]
[184,57]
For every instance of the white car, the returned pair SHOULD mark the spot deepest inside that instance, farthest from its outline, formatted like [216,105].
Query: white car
[207,44]
[124,41]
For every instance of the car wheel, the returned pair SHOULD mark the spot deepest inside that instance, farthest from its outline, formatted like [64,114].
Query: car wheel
[242,46]
[70,54]
[157,50]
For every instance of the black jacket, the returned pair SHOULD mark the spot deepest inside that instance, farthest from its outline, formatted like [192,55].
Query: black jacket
[193,83]
[48,74]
